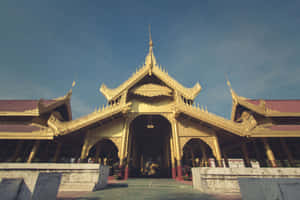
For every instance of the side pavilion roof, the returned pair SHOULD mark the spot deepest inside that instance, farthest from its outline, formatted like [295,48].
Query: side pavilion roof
[34,107]
[267,108]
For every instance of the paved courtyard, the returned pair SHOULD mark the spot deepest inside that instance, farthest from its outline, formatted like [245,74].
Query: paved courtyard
[160,189]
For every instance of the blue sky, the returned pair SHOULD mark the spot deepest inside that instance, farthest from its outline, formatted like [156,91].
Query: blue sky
[45,45]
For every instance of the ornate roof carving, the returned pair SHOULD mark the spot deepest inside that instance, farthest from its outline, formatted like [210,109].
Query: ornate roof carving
[152,90]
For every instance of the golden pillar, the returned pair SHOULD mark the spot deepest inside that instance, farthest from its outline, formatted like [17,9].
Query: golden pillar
[269,153]
[172,158]
[257,152]
[97,152]
[33,151]
[177,147]
[129,148]
[203,151]
[18,149]
[57,152]
[287,152]
[124,142]
[217,151]
[84,150]
[166,155]
[225,158]
[124,149]
[133,155]
[193,157]
[246,155]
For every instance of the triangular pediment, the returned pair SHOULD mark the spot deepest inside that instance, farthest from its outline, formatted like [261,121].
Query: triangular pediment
[151,86]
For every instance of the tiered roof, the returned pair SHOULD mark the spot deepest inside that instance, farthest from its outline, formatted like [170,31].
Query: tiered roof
[151,68]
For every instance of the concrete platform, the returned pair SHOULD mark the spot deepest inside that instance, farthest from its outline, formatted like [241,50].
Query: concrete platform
[158,189]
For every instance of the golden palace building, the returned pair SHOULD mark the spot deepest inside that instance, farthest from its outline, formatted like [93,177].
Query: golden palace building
[151,127]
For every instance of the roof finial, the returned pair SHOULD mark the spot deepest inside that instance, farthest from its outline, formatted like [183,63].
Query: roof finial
[150,59]
[233,94]
[150,38]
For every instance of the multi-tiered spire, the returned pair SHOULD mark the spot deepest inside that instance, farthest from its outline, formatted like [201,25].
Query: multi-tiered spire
[150,58]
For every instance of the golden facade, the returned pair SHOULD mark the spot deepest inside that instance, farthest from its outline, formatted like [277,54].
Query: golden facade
[151,126]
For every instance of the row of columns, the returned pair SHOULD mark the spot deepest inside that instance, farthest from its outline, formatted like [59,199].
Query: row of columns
[33,151]
[268,150]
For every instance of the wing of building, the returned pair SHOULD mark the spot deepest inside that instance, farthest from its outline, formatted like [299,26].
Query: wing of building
[152,120]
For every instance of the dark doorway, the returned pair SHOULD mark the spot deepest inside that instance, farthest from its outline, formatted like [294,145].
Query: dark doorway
[150,150]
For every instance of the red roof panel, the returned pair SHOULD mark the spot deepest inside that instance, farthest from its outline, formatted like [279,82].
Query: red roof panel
[21,105]
[18,128]
[285,127]
[279,105]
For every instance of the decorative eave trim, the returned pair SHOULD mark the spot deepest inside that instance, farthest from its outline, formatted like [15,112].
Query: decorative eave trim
[43,134]
[212,119]
[31,113]
[265,132]
[63,128]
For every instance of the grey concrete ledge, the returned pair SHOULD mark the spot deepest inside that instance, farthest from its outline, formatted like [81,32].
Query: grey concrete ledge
[248,171]
[220,180]
[49,166]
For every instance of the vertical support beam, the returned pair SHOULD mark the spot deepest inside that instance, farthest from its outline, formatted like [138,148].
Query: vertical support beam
[129,154]
[177,147]
[217,151]
[204,155]
[257,152]
[33,151]
[269,153]
[133,155]
[124,148]
[193,157]
[18,149]
[97,153]
[246,155]
[166,158]
[225,158]
[172,159]
[57,152]
[84,150]
[287,152]
[123,145]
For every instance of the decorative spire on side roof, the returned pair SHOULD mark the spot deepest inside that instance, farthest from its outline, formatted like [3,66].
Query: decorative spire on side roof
[233,94]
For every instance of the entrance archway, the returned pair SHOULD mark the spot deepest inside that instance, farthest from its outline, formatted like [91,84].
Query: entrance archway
[196,153]
[150,147]
[105,152]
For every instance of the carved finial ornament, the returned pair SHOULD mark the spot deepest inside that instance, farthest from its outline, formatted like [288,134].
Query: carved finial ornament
[150,38]
[233,94]
[150,51]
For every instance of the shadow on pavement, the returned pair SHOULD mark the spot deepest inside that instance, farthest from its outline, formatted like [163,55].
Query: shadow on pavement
[80,198]
[115,185]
